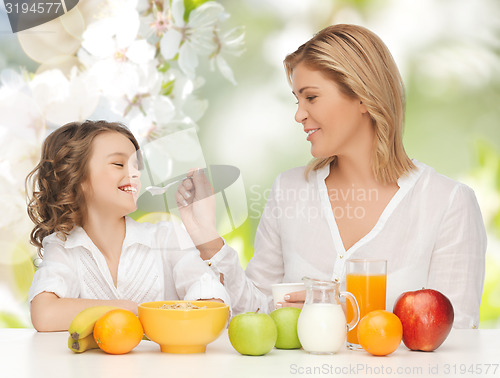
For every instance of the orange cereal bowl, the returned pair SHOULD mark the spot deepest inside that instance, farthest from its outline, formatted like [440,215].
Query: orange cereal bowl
[183,330]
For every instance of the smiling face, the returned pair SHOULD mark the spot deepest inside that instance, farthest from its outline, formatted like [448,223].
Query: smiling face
[335,123]
[113,179]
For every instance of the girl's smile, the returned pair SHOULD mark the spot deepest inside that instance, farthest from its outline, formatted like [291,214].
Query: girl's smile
[117,170]
[128,188]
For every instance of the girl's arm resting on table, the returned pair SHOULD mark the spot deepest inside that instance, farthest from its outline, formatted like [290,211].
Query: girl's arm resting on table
[51,313]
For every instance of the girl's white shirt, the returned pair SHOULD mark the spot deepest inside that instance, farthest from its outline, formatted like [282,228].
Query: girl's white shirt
[431,233]
[157,262]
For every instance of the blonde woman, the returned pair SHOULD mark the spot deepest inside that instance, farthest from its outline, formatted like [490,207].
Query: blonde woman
[360,197]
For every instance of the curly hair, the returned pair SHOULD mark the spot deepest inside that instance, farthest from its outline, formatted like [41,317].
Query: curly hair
[361,65]
[57,202]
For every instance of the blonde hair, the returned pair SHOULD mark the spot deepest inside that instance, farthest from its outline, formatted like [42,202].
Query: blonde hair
[57,202]
[362,66]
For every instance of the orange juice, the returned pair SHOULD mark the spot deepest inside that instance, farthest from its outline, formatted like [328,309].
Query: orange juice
[369,291]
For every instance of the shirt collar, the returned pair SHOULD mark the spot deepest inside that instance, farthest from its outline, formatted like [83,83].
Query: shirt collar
[138,233]
[323,172]
[135,233]
[405,180]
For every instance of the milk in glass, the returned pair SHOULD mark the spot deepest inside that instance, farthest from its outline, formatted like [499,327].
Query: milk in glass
[322,328]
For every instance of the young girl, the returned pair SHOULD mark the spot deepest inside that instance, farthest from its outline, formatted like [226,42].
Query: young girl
[87,181]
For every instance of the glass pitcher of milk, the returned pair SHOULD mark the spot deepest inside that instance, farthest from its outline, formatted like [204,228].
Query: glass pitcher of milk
[322,326]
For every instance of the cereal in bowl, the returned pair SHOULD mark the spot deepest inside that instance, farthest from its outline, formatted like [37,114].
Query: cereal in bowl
[181,306]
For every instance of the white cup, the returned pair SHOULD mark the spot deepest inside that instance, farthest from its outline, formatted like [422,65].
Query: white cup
[279,290]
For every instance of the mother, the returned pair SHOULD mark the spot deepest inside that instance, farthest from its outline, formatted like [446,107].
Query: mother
[360,197]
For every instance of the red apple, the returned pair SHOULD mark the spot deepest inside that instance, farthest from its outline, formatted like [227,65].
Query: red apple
[427,317]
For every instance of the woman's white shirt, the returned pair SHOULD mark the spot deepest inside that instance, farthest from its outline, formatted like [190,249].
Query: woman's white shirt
[431,233]
[158,262]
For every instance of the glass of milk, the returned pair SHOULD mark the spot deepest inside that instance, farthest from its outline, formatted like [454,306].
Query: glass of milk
[322,326]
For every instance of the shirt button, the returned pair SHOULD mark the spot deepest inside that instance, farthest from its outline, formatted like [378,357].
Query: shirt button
[341,256]
[209,263]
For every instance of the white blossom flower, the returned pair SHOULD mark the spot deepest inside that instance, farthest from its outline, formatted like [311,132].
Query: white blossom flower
[186,103]
[19,112]
[116,29]
[156,20]
[55,95]
[196,37]
[115,58]
[18,156]
[230,42]
[146,114]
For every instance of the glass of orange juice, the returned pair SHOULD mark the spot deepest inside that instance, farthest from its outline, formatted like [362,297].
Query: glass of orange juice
[366,279]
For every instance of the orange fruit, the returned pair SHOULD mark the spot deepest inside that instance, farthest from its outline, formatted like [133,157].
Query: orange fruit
[118,331]
[380,332]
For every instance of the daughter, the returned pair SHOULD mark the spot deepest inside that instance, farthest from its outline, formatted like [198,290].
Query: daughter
[87,181]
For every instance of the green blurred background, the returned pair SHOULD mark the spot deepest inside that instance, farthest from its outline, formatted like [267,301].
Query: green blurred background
[448,52]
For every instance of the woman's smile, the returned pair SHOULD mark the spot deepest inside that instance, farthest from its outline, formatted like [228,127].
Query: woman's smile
[310,132]
[334,122]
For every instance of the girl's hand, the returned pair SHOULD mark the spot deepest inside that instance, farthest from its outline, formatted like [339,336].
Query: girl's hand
[196,202]
[294,299]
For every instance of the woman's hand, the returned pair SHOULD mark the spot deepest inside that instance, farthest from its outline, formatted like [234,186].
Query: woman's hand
[294,299]
[196,202]
[212,300]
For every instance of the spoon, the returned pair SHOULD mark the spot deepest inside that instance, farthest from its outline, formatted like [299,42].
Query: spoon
[158,190]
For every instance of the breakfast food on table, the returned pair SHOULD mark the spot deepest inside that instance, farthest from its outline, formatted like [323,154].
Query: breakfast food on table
[422,319]
[109,328]
[322,325]
[380,332]
[181,330]
[366,279]
[427,317]
[252,333]
[286,324]
[181,306]
[322,328]
[118,331]
[82,345]
[82,324]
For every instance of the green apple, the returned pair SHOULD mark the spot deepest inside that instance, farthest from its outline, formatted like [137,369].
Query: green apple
[286,323]
[252,333]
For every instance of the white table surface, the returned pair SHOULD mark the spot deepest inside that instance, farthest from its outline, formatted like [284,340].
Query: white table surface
[25,353]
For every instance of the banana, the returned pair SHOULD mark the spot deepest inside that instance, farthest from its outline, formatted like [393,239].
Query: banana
[83,324]
[81,345]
